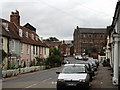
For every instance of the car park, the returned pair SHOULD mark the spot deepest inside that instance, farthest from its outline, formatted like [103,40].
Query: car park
[73,75]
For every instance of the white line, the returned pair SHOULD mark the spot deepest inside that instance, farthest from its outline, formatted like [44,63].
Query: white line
[54,83]
[31,85]
[46,79]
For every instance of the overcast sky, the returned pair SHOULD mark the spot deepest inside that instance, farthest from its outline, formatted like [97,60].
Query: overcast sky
[59,18]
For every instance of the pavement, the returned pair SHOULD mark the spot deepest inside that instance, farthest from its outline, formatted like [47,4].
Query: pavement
[103,79]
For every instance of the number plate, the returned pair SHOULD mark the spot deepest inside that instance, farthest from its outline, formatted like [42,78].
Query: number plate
[71,84]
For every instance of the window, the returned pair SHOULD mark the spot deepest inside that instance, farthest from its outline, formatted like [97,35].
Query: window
[20,32]
[26,34]
[5,25]
[32,36]
[89,35]
[45,51]
[40,50]
[36,38]
[13,45]
[34,50]
[84,35]
[2,43]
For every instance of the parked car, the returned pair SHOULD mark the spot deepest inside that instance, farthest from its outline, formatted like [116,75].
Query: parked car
[92,62]
[65,55]
[78,57]
[66,62]
[73,75]
[89,68]
[97,62]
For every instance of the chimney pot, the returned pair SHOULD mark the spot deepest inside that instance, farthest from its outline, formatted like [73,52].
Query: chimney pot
[15,18]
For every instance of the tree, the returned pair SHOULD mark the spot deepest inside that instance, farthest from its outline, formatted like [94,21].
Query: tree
[54,59]
[90,50]
[51,39]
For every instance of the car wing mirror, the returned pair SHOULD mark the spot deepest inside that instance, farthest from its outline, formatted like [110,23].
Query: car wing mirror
[57,72]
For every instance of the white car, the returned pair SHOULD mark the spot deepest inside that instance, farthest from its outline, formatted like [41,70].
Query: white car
[73,75]
[78,57]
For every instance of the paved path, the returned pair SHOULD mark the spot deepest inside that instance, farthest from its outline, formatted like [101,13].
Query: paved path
[103,79]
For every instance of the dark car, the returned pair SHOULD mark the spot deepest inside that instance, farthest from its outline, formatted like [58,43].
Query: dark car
[93,63]
[89,68]
[73,75]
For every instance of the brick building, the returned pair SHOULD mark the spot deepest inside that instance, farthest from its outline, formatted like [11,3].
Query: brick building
[88,38]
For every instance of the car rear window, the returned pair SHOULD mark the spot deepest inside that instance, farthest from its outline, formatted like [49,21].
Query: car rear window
[73,69]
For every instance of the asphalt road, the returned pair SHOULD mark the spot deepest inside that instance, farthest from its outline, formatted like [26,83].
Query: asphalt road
[48,78]
[40,79]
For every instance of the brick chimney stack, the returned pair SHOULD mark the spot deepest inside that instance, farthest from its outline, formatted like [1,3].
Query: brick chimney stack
[15,18]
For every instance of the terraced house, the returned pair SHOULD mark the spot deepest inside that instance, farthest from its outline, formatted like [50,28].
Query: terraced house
[113,45]
[10,44]
[22,43]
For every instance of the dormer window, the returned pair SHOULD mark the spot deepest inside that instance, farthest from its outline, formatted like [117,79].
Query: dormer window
[33,36]
[36,38]
[20,32]
[26,34]
[5,25]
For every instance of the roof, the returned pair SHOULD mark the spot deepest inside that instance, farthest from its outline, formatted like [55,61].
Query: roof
[11,32]
[3,32]
[29,26]
[14,33]
[91,30]
[116,14]
[29,40]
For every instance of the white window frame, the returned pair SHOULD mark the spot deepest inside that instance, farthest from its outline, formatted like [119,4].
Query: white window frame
[33,36]
[27,34]
[44,51]
[5,25]
[20,32]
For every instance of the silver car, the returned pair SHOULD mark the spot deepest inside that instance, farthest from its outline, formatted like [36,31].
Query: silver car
[73,75]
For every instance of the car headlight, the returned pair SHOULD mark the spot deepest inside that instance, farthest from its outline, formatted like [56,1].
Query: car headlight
[60,80]
[82,80]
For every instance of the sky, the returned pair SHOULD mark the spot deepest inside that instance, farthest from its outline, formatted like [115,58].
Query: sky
[59,18]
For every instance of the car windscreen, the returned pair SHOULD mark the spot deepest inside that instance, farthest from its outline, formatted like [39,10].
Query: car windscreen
[73,69]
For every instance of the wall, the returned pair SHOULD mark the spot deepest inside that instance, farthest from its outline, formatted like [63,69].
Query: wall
[5,48]
[26,55]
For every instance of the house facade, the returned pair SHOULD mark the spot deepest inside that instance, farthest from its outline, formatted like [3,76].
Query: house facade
[88,38]
[21,43]
[113,45]
[3,45]
[11,45]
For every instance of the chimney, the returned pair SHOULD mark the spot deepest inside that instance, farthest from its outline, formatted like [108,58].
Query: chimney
[15,18]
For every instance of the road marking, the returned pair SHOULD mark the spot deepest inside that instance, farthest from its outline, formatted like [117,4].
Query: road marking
[46,79]
[54,83]
[31,85]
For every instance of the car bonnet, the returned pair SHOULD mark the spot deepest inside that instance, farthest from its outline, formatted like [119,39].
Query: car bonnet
[75,77]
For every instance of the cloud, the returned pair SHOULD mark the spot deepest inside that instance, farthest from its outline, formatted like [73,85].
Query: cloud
[59,18]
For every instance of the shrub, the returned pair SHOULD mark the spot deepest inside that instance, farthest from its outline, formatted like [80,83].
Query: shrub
[53,60]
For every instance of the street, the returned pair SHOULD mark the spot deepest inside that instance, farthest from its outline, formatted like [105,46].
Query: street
[46,79]
[40,79]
